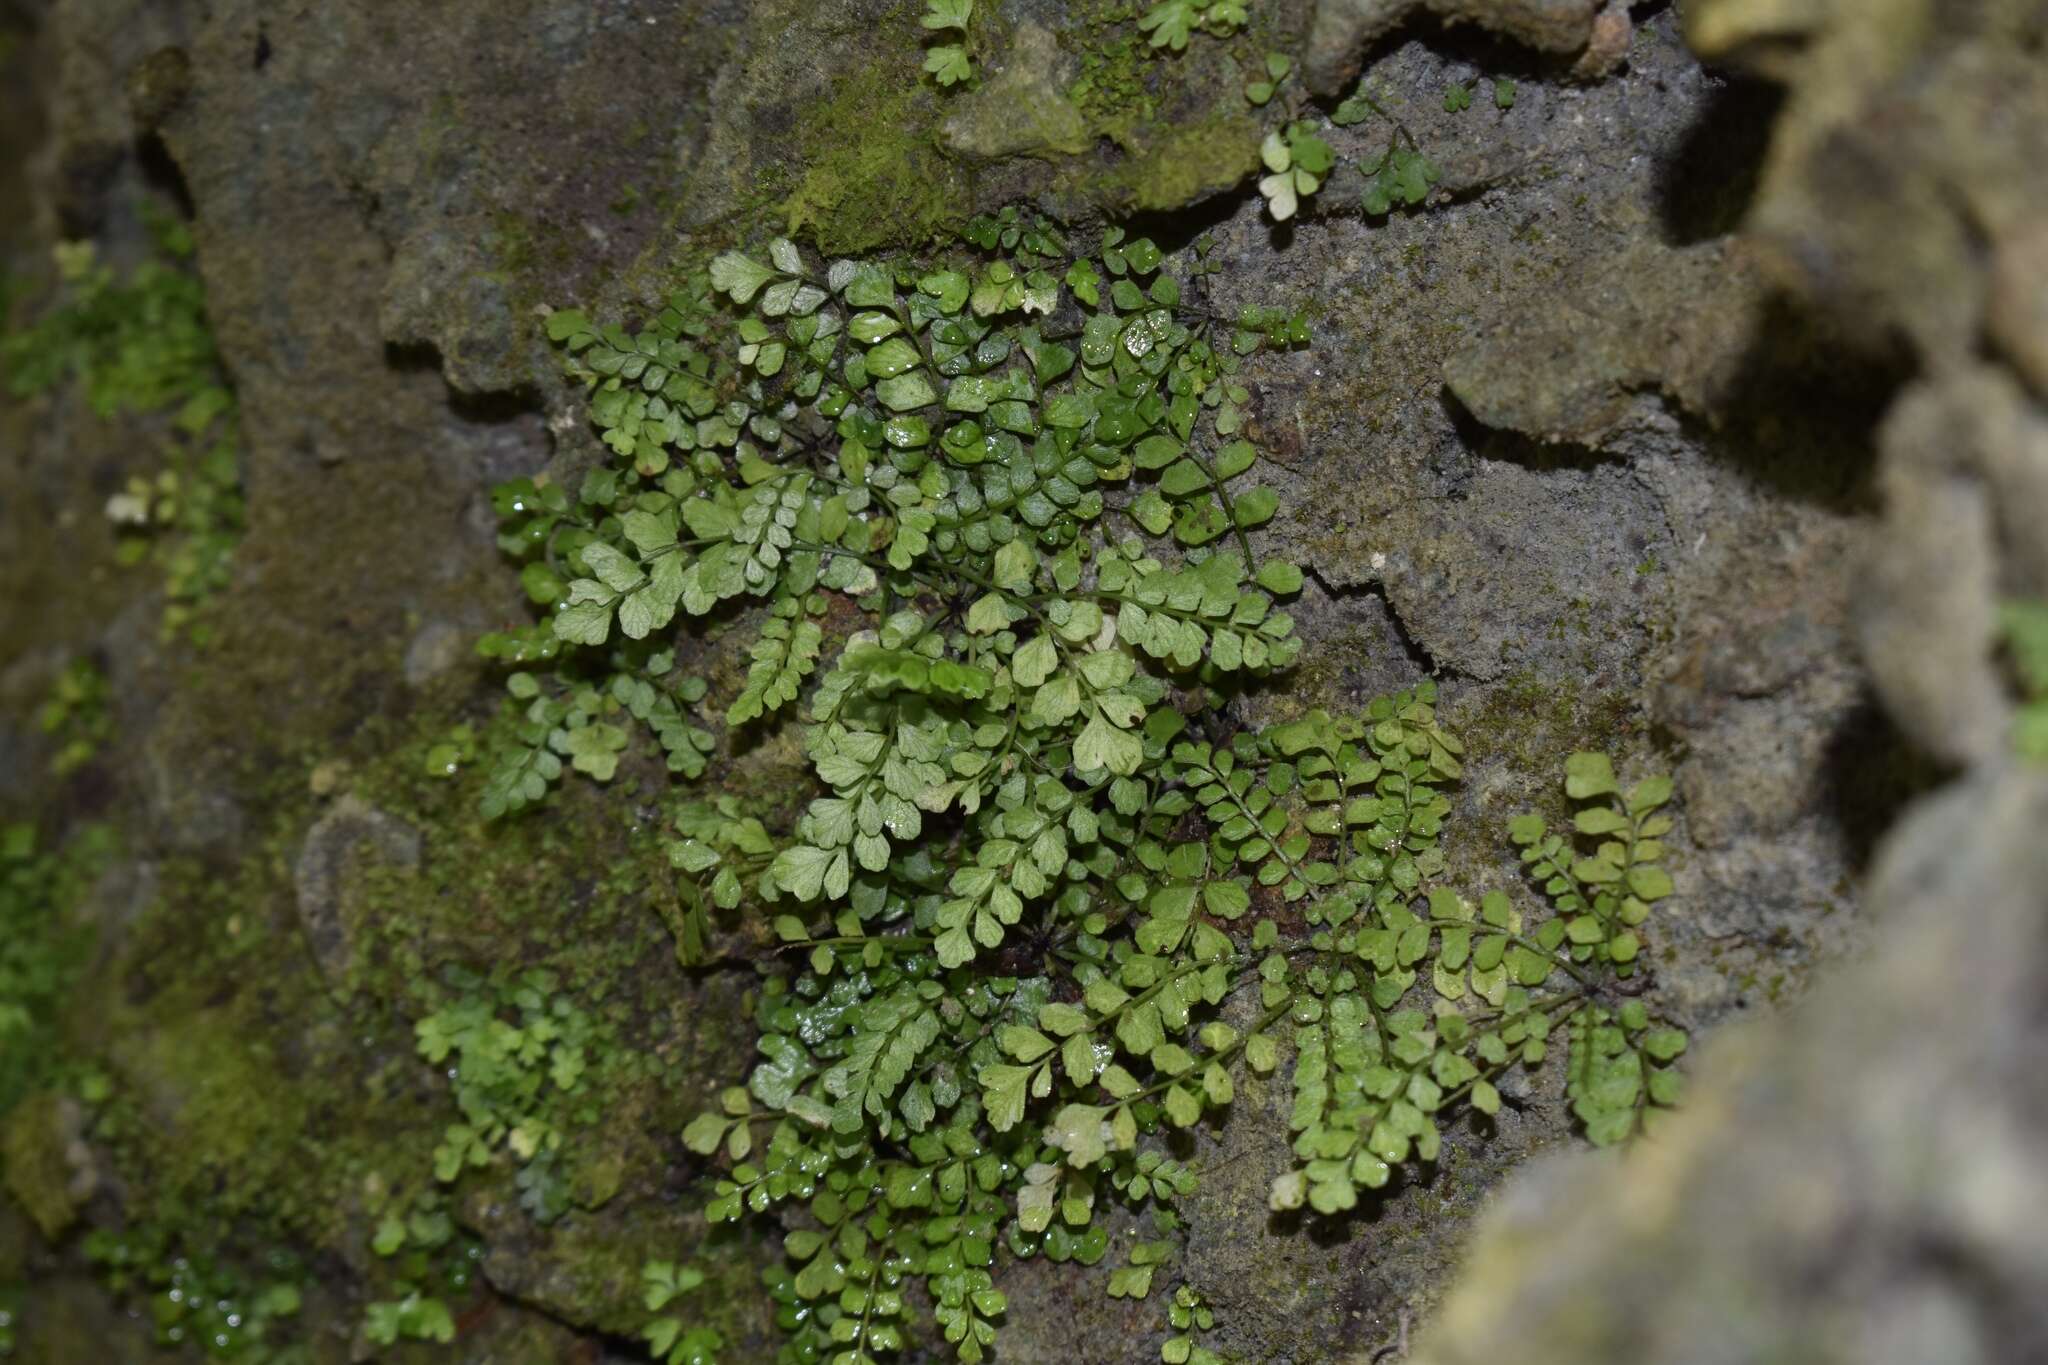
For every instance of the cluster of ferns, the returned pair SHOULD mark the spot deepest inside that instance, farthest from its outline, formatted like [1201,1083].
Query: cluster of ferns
[988,527]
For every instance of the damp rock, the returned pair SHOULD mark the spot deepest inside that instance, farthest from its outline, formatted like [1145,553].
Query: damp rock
[346,849]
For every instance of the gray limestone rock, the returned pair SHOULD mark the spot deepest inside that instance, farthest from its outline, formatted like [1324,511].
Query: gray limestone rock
[346,846]
[1855,1181]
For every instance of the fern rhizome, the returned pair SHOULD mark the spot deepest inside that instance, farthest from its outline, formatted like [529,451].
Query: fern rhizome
[992,528]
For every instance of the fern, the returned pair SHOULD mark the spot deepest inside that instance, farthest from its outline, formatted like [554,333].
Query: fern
[1172,22]
[1006,570]
[670,1340]
[516,1053]
[783,658]
[948,63]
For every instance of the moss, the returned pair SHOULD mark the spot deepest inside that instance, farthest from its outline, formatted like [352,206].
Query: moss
[1528,722]
[588,1270]
[1116,60]
[528,250]
[242,1094]
[872,175]
[251,1106]
[32,1142]
[1179,164]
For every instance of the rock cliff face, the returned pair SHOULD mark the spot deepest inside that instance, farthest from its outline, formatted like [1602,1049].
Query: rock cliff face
[1698,415]
[1806,1208]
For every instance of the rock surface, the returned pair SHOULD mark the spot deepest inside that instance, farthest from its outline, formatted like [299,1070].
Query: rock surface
[351,842]
[1856,1180]
[1565,440]
[1595,32]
